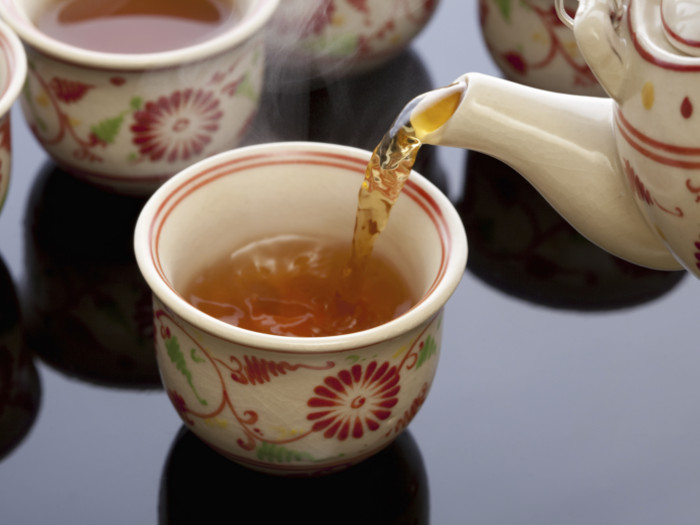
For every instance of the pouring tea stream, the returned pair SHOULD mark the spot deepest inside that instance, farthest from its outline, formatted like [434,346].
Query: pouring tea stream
[624,170]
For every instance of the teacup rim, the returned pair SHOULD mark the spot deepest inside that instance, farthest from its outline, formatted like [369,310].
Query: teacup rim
[17,65]
[425,310]
[254,21]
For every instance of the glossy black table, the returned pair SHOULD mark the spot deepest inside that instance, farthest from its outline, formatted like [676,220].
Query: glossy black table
[567,390]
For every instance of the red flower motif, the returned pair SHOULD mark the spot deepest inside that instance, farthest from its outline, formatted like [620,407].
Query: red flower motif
[5,136]
[178,126]
[360,5]
[319,19]
[516,61]
[69,91]
[483,12]
[354,399]
[180,405]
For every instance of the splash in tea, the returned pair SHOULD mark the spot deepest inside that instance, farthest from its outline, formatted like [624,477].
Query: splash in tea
[286,285]
[135,26]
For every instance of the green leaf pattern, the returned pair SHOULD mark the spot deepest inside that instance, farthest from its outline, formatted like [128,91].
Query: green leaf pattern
[108,129]
[278,454]
[428,349]
[504,8]
[178,359]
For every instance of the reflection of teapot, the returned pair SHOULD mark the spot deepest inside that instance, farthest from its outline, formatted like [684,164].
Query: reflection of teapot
[625,170]
[519,245]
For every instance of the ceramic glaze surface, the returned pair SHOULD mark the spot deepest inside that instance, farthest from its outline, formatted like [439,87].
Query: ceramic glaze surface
[532,46]
[656,122]
[289,414]
[294,405]
[681,23]
[13,70]
[333,38]
[129,131]
[624,170]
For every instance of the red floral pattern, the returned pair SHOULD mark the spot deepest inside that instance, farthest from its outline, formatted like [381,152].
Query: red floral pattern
[177,126]
[353,403]
[69,91]
[354,399]
[515,59]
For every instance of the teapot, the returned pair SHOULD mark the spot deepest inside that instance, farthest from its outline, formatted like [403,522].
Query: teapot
[624,170]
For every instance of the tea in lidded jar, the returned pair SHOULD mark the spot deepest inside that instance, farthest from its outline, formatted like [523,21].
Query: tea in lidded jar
[125,109]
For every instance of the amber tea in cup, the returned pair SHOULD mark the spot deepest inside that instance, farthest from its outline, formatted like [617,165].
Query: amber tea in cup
[294,285]
[135,26]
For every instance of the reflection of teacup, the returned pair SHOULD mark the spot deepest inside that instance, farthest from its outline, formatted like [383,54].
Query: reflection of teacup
[127,122]
[20,388]
[87,309]
[294,405]
[394,489]
[13,71]
[521,245]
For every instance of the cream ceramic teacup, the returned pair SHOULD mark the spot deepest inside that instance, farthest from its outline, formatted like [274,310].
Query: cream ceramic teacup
[294,405]
[128,121]
[309,39]
[13,71]
[530,45]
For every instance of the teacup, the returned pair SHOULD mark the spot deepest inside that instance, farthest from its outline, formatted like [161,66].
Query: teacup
[330,39]
[127,122]
[530,45]
[13,71]
[280,404]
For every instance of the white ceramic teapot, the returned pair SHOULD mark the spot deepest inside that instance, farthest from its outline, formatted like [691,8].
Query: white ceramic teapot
[624,170]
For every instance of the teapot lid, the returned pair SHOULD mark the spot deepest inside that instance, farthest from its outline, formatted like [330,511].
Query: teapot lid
[681,24]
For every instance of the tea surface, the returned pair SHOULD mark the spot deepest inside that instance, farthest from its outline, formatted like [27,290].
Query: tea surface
[288,285]
[300,286]
[135,26]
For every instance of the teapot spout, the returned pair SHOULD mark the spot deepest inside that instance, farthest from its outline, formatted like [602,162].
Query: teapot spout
[564,145]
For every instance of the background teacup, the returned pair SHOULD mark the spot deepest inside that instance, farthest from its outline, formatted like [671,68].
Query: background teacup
[126,122]
[310,39]
[13,70]
[530,45]
[294,405]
